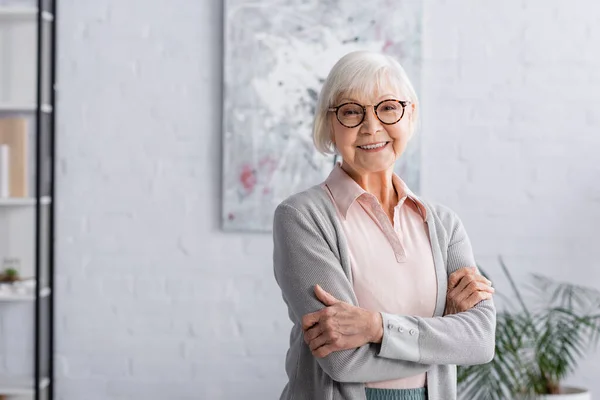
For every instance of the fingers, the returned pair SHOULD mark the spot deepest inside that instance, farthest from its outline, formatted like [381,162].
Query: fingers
[474,282]
[317,342]
[475,299]
[469,288]
[312,333]
[310,319]
[326,344]
[460,287]
[325,297]
[472,287]
[323,351]
[461,299]
[457,275]
[322,341]
[471,283]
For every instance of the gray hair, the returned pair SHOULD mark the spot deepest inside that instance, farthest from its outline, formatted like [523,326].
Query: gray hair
[362,73]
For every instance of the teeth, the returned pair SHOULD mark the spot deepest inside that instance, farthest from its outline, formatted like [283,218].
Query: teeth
[373,146]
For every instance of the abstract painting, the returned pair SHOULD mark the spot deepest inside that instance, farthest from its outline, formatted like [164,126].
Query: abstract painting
[277,55]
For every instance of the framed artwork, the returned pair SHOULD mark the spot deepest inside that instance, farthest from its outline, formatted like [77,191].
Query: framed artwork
[277,55]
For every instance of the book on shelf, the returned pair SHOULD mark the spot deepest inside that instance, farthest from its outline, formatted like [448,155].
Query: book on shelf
[4,175]
[13,134]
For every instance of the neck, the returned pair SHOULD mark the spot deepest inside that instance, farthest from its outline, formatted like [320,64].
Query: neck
[379,184]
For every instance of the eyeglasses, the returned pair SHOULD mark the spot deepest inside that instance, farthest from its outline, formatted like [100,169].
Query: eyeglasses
[352,115]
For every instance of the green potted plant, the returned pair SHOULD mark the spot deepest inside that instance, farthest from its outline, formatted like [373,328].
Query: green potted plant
[10,275]
[538,343]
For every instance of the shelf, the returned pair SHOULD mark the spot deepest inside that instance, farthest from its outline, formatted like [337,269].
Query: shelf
[20,386]
[23,201]
[18,108]
[27,230]
[45,292]
[11,12]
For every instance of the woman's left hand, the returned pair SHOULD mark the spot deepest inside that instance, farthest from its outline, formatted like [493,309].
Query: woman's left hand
[466,288]
[339,326]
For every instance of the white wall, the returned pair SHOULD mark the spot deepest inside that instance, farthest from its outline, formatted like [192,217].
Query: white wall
[154,301]
[511,99]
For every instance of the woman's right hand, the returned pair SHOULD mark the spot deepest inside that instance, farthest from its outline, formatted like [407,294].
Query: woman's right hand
[466,288]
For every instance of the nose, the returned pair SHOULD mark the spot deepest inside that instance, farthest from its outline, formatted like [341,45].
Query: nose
[371,123]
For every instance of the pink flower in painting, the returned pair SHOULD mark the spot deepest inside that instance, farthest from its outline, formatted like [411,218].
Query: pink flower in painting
[248,178]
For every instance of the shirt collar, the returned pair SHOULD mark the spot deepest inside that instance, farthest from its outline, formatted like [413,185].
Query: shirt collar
[345,190]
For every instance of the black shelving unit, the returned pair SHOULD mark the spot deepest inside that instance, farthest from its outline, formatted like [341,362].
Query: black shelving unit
[28,32]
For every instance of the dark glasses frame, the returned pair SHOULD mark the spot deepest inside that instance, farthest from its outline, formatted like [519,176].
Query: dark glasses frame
[403,103]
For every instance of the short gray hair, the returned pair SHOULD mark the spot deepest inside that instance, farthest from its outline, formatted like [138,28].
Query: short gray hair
[358,72]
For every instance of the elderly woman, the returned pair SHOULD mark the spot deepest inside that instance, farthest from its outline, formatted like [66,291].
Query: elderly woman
[381,285]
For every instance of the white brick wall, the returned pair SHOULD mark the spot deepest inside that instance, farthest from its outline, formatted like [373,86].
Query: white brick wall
[511,100]
[154,301]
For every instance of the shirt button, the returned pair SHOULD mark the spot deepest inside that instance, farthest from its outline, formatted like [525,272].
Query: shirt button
[400,329]
[390,326]
[412,332]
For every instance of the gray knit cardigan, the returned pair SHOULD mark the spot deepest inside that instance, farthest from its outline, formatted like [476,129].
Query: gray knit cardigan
[310,248]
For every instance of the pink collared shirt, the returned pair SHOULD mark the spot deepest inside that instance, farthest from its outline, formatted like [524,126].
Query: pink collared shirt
[392,264]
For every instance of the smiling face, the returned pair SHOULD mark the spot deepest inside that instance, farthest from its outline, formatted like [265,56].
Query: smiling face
[372,146]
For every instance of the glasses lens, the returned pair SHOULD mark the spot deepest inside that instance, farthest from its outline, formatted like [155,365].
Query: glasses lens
[350,114]
[390,112]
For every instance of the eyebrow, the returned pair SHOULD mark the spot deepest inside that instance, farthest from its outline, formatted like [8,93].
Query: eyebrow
[385,97]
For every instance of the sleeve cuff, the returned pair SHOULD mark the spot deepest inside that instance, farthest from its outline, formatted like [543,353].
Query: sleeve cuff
[400,338]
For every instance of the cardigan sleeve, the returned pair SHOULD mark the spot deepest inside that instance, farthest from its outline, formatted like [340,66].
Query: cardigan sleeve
[465,338]
[303,258]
